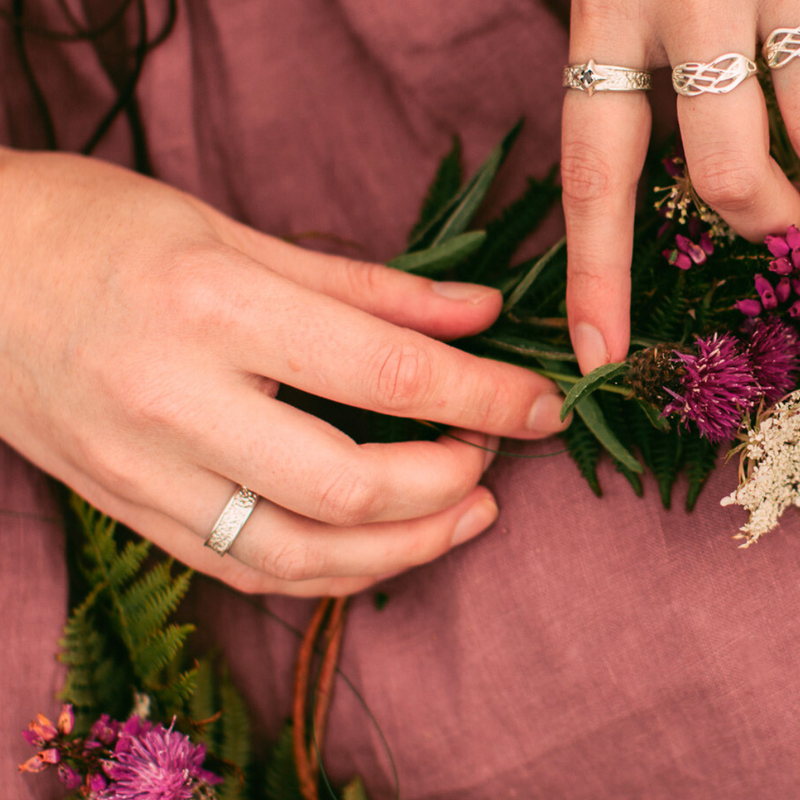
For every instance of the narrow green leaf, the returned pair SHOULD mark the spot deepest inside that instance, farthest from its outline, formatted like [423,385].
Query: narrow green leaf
[654,415]
[442,190]
[441,257]
[589,383]
[589,411]
[456,215]
[523,347]
[525,284]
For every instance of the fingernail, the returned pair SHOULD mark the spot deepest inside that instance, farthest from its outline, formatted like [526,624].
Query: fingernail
[545,414]
[492,443]
[590,347]
[464,292]
[477,519]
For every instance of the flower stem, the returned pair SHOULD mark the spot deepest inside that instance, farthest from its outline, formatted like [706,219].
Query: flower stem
[559,376]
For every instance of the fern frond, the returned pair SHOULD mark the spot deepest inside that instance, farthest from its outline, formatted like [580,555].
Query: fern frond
[176,694]
[506,233]
[148,603]
[281,781]
[158,650]
[443,189]
[233,738]
[585,451]
[700,458]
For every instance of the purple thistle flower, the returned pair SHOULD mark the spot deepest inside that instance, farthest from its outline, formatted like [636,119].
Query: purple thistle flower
[158,764]
[717,386]
[774,350]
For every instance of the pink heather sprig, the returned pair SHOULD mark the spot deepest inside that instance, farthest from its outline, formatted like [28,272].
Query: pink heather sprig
[786,266]
[134,760]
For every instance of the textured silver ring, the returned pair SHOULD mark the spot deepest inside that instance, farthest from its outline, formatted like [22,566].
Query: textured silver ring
[591,78]
[782,45]
[232,520]
[720,76]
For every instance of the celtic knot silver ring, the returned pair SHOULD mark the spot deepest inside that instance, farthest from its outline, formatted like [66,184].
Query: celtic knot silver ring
[232,520]
[782,45]
[720,76]
[591,78]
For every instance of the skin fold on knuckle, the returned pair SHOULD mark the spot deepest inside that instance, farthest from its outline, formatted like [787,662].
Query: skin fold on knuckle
[291,560]
[401,377]
[587,178]
[346,497]
[728,181]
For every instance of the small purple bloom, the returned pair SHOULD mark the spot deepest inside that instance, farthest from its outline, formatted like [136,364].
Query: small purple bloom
[70,777]
[794,310]
[50,756]
[778,246]
[66,719]
[796,285]
[783,289]
[159,764]
[678,259]
[751,308]
[717,387]
[796,258]
[105,730]
[793,237]
[706,243]
[96,782]
[774,349]
[766,292]
[781,266]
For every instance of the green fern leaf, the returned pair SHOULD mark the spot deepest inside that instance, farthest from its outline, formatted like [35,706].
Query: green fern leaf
[585,451]
[148,603]
[233,737]
[202,703]
[506,233]
[158,650]
[701,458]
[445,186]
[281,781]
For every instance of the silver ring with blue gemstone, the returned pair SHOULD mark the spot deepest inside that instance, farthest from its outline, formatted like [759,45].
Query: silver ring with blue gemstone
[592,77]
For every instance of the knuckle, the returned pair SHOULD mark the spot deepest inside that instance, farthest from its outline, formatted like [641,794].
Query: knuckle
[346,498]
[363,279]
[586,177]
[490,407]
[402,377]
[727,180]
[291,560]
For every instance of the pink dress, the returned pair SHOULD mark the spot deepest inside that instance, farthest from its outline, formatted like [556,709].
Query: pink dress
[582,648]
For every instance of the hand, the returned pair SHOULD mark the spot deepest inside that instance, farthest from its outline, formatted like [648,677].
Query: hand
[144,336]
[605,139]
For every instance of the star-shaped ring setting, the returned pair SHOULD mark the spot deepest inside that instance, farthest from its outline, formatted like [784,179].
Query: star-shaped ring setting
[592,77]
[589,77]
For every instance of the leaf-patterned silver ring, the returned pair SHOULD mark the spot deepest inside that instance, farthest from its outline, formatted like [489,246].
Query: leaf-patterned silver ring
[232,520]
[782,45]
[720,76]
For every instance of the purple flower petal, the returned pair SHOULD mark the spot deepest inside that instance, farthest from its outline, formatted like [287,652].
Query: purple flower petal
[66,719]
[707,244]
[782,266]
[774,350]
[794,310]
[751,308]
[777,245]
[793,237]
[783,289]
[766,292]
[70,777]
[718,385]
[683,243]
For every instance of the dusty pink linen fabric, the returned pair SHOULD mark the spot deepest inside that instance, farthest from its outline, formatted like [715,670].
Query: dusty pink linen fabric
[583,648]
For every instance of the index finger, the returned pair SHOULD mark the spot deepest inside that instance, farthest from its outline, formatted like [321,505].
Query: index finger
[330,349]
[604,144]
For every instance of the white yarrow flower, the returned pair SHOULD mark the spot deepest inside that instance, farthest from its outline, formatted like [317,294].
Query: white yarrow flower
[772,476]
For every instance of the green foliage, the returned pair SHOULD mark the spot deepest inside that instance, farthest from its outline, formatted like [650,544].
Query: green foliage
[701,458]
[508,231]
[117,641]
[444,188]
[585,450]
[441,257]
[281,781]
[591,383]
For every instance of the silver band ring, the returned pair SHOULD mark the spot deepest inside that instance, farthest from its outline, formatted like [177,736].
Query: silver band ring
[782,45]
[591,78]
[720,76]
[232,520]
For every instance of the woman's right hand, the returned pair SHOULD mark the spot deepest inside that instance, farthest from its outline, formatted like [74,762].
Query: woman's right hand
[143,339]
